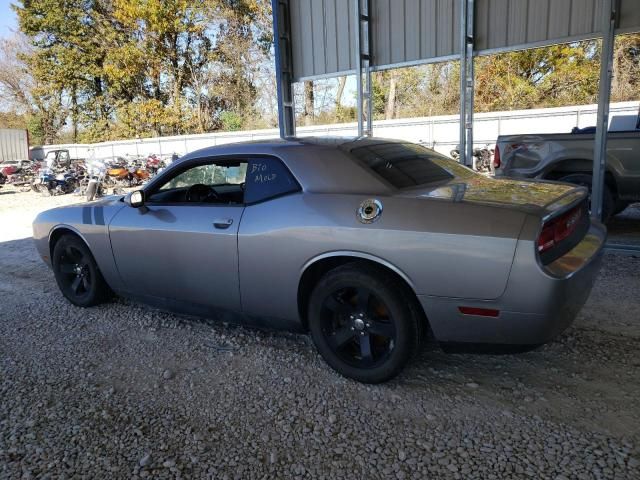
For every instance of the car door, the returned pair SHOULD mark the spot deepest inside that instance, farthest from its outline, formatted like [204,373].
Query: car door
[180,246]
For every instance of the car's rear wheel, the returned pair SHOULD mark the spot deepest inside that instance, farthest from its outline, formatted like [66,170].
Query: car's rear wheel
[77,273]
[363,323]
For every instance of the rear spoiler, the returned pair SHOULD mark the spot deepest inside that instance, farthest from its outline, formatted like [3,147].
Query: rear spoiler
[565,202]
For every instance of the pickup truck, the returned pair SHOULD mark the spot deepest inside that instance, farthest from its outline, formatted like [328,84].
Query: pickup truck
[568,157]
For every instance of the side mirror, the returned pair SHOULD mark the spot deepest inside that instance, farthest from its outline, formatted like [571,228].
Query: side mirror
[136,199]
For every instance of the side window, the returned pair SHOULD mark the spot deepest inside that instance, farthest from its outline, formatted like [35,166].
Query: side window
[210,174]
[218,183]
[267,178]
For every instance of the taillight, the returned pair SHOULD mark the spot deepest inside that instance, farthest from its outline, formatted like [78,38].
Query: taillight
[559,228]
[496,157]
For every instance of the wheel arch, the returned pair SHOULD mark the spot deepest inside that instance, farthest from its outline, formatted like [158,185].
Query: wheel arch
[578,166]
[315,268]
[58,231]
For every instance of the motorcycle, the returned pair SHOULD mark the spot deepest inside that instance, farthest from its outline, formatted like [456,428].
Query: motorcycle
[95,181]
[127,175]
[154,164]
[18,173]
[481,157]
[50,182]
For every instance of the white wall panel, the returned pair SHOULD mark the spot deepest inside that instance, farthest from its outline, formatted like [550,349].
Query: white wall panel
[441,132]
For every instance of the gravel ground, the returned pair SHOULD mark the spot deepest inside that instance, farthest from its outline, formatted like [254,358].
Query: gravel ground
[625,227]
[124,391]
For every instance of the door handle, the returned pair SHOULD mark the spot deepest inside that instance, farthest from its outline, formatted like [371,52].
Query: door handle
[223,223]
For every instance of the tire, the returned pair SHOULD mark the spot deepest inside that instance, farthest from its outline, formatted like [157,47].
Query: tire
[363,323]
[585,180]
[621,205]
[77,273]
[92,189]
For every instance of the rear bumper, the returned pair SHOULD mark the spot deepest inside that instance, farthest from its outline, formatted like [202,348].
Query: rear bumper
[538,304]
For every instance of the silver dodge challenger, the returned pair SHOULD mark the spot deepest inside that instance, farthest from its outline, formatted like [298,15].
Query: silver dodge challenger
[371,245]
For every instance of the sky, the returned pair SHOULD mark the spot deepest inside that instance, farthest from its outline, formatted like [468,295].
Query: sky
[8,21]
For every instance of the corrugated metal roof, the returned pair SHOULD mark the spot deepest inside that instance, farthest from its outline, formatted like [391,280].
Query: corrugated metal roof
[322,33]
[516,23]
[419,31]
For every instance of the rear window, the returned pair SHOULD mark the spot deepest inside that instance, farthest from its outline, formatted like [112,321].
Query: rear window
[403,165]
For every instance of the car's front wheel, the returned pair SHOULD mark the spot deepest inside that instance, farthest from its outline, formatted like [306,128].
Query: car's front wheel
[363,323]
[77,273]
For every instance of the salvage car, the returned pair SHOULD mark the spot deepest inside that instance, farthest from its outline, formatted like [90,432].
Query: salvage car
[371,245]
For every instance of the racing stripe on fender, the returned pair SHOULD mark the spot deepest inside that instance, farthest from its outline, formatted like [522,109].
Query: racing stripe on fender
[98,213]
[86,215]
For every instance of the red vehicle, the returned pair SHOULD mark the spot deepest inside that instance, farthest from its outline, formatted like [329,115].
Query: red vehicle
[154,163]
[17,172]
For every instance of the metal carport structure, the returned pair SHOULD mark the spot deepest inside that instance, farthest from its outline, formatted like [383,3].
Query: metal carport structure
[325,38]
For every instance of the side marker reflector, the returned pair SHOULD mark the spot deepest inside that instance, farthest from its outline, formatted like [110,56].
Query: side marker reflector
[483,312]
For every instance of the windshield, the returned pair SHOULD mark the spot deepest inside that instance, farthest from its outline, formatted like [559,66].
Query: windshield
[403,165]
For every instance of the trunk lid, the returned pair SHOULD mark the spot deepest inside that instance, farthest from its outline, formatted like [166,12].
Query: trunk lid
[542,198]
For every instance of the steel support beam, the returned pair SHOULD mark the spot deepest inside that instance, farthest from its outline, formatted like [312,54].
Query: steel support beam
[363,67]
[466,81]
[284,67]
[604,94]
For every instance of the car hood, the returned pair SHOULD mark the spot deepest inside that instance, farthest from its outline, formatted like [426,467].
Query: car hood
[109,200]
[535,197]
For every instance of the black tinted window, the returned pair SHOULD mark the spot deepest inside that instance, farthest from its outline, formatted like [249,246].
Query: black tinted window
[403,165]
[267,178]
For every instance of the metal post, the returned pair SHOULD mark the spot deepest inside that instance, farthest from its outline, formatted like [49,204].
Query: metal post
[367,68]
[363,67]
[604,90]
[466,81]
[284,67]
[470,85]
[462,150]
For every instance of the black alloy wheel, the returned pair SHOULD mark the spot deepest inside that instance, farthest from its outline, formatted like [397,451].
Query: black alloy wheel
[363,322]
[77,273]
[358,327]
[74,268]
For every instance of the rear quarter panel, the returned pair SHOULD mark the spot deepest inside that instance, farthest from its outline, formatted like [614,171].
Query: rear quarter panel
[442,248]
